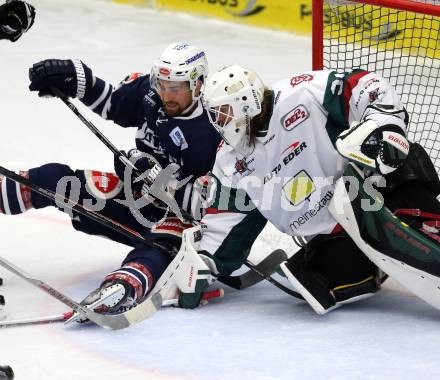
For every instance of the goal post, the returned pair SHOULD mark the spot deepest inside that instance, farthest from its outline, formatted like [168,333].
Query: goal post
[398,39]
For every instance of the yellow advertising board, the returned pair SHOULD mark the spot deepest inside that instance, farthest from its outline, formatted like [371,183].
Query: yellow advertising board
[386,29]
[289,15]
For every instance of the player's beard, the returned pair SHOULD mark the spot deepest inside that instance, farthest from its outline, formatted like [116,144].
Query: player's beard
[172,109]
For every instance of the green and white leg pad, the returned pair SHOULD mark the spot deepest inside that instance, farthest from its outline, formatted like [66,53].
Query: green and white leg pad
[400,251]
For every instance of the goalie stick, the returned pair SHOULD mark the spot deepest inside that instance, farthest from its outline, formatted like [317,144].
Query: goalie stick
[109,321]
[267,266]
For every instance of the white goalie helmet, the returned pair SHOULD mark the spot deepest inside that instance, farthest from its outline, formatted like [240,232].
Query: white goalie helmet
[232,96]
[180,62]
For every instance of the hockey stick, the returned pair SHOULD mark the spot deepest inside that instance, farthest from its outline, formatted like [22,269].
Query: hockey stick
[90,214]
[101,219]
[110,321]
[267,266]
[157,195]
[37,320]
[64,317]
[274,282]
[95,216]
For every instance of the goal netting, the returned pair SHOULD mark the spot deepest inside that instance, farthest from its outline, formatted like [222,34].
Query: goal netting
[398,39]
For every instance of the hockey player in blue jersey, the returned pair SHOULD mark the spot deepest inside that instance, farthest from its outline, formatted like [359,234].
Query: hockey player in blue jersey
[172,127]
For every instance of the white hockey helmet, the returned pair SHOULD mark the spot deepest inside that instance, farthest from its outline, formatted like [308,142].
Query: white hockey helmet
[180,62]
[232,96]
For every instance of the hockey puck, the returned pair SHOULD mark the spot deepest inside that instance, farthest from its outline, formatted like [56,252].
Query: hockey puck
[6,372]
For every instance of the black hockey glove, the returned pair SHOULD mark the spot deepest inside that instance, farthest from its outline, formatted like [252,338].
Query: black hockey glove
[143,162]
[70,77]
[16,17]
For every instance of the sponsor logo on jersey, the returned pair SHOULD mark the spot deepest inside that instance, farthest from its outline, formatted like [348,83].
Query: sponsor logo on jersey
[178,138]
[299,188]
[294,117]
[312,211]
[294,150]
[146,138]
[242,166]
[300,79]
[149,98]
[271,138]
[373,95]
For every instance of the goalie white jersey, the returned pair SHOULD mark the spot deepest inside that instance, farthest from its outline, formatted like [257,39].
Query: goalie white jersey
[289,174]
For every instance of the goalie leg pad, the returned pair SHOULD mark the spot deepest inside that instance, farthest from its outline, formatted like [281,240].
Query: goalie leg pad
[331,271]
[400,251]
[187,275]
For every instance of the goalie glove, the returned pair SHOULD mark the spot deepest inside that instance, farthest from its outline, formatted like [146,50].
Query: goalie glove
[380,148]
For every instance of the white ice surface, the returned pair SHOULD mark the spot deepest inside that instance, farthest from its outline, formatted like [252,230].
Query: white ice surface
[259,333]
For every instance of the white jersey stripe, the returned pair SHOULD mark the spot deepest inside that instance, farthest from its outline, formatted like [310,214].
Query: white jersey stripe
[5,197]
[101,97]
[19,197]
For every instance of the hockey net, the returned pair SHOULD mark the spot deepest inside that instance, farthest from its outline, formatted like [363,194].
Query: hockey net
[397,39]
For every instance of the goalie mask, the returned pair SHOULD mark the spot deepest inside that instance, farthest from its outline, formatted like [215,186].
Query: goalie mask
[233,95]
[180,62]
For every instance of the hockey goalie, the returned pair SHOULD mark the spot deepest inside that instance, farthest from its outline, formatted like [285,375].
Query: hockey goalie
[323,156]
